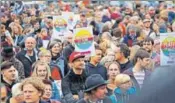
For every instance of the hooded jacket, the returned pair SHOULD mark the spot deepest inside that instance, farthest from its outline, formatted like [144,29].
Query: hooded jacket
[123,96]
[99,69]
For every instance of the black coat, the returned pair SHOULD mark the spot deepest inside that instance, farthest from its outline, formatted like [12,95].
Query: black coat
[26,61]
[67,51]
[159,89]
[73,84]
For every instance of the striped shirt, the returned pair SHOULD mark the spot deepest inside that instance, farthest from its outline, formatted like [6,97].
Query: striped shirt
[139,76]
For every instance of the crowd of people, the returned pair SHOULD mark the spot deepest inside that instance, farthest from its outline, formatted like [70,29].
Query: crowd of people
[126,41]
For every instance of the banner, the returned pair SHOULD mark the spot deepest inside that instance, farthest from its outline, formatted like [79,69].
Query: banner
[167,41]
[69,17]
[59,27]
[84,41]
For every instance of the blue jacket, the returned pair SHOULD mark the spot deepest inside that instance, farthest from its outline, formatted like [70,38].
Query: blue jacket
[130,41]
[122,96]
[55,92]
[62,64]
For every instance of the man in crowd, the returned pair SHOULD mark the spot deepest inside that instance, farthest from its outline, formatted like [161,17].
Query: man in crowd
[9,55]
[74,82]
[94,66]
[96,90]
[8,72]
[122,53]
[148,45]
[28,56]
[147,29]
[139,73]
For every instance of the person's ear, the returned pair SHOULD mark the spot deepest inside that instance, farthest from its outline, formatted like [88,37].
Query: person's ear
[40,94]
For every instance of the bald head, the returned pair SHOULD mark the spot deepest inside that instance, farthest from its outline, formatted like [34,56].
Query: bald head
[30,43]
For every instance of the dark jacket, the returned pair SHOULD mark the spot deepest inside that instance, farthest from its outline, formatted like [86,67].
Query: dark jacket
[99,69]
[130,41]
[105,100]
[8,87]
[160,88]
[67,51]
[26,61]
[73,84]
[126,66]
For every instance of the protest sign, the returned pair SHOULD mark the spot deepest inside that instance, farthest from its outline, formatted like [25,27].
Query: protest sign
[84,40]
[60,27]
[167,48]
[69,17]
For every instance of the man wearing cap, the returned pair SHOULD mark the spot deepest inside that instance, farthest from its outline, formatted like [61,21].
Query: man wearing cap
[8,75]
[74,82]
[147,29]
[95,90]
[9,55]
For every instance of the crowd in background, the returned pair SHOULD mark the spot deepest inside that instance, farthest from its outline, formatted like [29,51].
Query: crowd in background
[127,50]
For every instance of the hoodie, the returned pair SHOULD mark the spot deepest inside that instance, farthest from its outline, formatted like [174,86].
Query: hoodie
[99,69]
[123,96]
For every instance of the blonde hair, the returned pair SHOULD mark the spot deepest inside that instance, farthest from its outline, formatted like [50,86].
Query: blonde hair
[35,82]
[20,29]
[40,63]
[121,78]
[43,52]
[16,90]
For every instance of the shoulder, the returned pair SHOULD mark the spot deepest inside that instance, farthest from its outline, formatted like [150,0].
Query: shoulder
[81,101]
[107,100]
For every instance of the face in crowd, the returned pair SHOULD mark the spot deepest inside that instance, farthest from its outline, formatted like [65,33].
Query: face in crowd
[47,91]
[42,71]
[30,43]
[144,63]
[9,74]
[56,48]
[98,56]
[31,94]
[79,63]
[148,46]
[100,92]
[113,70]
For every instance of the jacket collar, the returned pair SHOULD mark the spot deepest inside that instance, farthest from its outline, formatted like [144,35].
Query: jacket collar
[35,53]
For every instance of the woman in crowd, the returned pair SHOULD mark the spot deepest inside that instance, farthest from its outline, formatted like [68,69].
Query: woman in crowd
[33,89]
[48,92]
[42,70]
[17,34]
[113,71]
[17,94]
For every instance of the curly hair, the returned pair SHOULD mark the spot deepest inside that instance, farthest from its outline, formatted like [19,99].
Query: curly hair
[35,82]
